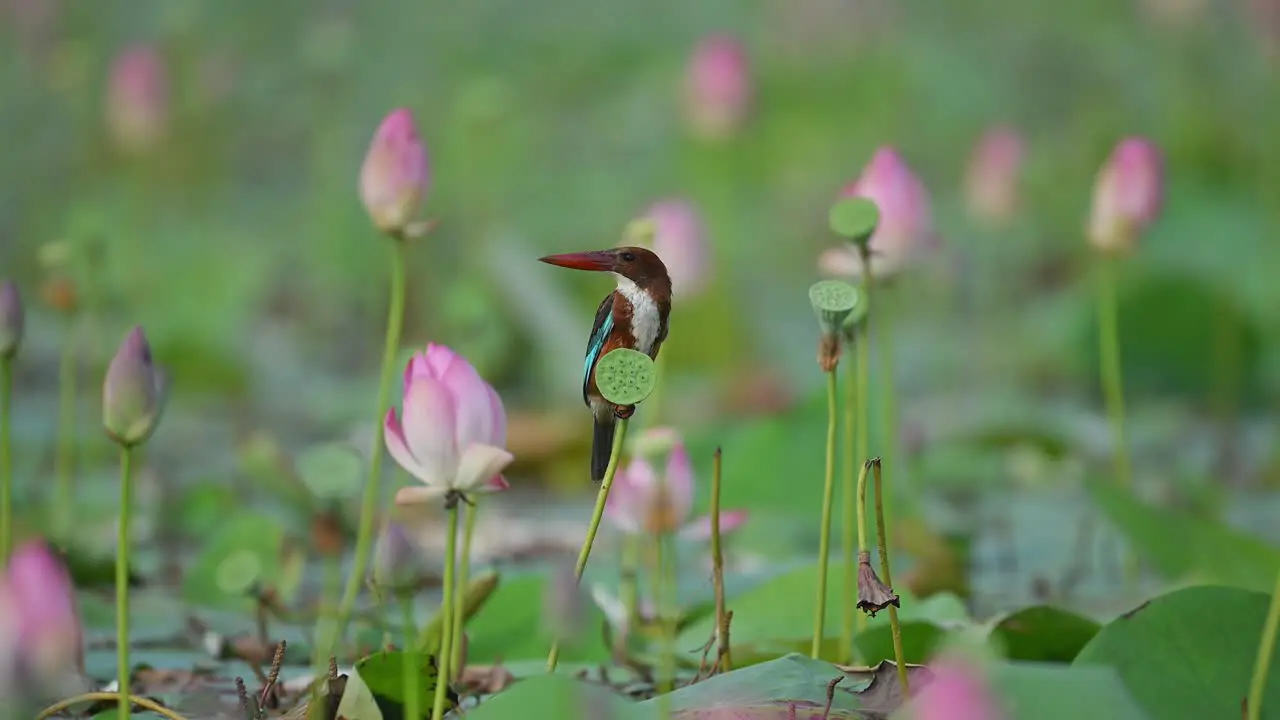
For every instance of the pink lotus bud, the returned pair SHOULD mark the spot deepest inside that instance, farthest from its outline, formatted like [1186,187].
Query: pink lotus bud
[395,175]
[992,178]
[679,239]
[133,392]
[717,87]
[643,502]
[905,233]
[137,99]
[50,641]
[395,559]
[452,433]
[11,319]
[957,692]
[1127,195]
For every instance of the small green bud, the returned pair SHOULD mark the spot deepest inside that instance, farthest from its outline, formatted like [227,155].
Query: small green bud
[833,302]
[133,393]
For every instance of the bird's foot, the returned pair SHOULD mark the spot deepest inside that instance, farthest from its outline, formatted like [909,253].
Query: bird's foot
[622,412]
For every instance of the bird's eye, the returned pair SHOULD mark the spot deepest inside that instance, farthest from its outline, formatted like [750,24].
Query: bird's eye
[628,257]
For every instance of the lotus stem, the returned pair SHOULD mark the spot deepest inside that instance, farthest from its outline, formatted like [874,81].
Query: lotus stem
[855,426]
[824,538]
[882,544]
[446,613]
[6,458]
[1266,649]
[464,577]
[144,703]
[122,581]
[65,458]
[409,658]
[1113,384]
[369,503]
[717,571]
[615,458]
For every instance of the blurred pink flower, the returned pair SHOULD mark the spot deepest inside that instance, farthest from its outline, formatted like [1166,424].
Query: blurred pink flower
[395,174]
[454,431]
[905,233]
[1127,195]
[991,181]
[680,240]
[717,87]
[10,640]
[958,691]
[640,503]
[138,99]
[50,642]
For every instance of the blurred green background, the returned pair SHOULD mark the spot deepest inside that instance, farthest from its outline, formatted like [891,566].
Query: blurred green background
[239,242]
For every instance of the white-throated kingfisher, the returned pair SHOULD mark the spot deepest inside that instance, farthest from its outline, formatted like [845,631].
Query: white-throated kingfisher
[633,316]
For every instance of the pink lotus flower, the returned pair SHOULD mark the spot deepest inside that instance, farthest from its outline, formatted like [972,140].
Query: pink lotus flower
[138,99]
[640,503]
[680,240]
[991,182]
[957,692]
[50,646]
[1127,195]
[454,430]
[717,87]
[905,233]
[395,175]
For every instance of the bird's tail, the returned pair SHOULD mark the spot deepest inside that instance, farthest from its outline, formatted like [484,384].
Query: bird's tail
[601,447]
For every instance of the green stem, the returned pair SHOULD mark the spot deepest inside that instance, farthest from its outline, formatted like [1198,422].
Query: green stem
[664,592]
[464,577]
[6,458]
[446,612]
[615,457]
[409,657]
[882,545]
[853,423]
[630,585]
[122,582]
[64,497]
[369,504]
[862,507]
[1266,649]
[717,571]
[824,538]
[1113,383]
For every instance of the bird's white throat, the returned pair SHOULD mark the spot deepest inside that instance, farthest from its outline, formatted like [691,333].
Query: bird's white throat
[645,321]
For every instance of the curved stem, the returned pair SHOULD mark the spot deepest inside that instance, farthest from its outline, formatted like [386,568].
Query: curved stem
[6,458]
[824,538]
[64,460]
[882,543]
[446,612]
[1267,648]
[369,503]
[1113,382]
[615,458]
[409,656]
[717,572]
[141,702]
[464,577]
[122,581]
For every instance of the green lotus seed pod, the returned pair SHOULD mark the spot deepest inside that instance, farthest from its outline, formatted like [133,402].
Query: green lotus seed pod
[833,301]
[625,377]
[854,218]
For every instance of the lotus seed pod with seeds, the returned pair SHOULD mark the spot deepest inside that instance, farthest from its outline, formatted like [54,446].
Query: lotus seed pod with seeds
[833,302]
[625,376]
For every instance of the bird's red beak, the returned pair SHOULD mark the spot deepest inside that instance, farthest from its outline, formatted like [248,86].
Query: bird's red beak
[597,260]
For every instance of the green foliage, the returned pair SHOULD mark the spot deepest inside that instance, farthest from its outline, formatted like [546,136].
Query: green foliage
[792,677]
[331,471]
[854,218]
[1181,547]
[376,691]
[625,376]
[1042,633]
[246,542]
[1189,653]
[555,697]
[510,625]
